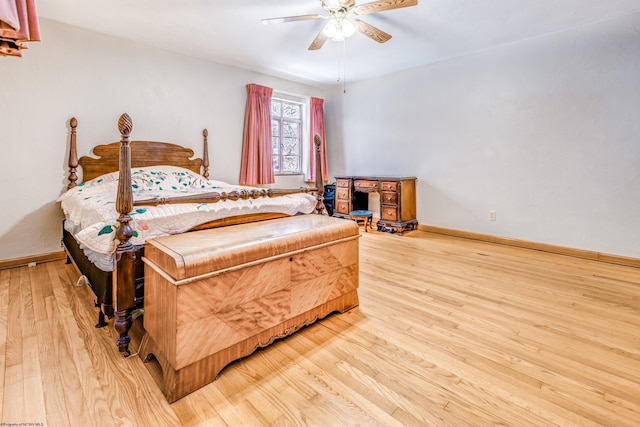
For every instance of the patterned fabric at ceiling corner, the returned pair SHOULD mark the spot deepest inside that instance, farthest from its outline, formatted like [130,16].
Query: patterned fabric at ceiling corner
[257,152]
[18,25]
[317,126]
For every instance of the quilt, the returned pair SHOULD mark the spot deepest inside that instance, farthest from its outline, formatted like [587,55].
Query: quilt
[91,216]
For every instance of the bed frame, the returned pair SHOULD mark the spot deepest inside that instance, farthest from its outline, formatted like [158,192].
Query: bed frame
[120,292]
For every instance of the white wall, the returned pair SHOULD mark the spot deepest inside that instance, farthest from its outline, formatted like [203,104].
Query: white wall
[546,132]
[74,72]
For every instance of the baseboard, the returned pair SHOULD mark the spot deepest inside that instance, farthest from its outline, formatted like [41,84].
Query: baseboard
[31,260]
[561,250]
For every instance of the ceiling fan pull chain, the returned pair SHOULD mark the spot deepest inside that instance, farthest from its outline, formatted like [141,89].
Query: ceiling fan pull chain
[344,66]
[339,62]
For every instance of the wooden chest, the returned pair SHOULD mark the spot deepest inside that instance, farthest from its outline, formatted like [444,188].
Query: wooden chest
[214,296]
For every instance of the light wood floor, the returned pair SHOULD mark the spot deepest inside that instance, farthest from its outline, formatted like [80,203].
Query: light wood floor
[448,332]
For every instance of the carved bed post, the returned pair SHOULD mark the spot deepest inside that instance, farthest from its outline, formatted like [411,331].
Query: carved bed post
[205,156]
[320,209]
[124,284]
[73,155]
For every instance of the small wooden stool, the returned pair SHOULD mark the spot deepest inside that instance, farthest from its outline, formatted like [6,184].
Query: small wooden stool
[362,215]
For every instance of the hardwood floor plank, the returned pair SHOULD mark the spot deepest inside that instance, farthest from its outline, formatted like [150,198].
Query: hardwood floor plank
[13,403]
[13,351]
[200,410]
[449,332]
[226,412]
[40,289]
[33,396]
[5,280]
[26,301]
[54,392]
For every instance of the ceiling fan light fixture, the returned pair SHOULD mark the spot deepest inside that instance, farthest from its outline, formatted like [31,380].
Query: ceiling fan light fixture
[337,29]
[330,29]
[348,29]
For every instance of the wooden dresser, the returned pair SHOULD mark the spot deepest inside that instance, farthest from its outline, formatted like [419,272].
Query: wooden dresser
[397,200]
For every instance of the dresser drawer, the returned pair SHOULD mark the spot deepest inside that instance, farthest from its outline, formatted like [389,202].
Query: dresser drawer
[342,207]
[389,198]
[389,186]
[343,194]
[342,183]
[364,185]
[390,213]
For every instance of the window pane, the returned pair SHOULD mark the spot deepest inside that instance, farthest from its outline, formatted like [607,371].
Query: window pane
[290,146]
[276,164]
[276,108]
[291,129]
[290,164]
[275,145]
[275,128]
[291,110]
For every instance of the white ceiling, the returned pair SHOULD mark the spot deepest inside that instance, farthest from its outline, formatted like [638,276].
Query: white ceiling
[230,31]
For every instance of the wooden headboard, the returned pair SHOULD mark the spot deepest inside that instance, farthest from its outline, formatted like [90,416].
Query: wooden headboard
[143,153]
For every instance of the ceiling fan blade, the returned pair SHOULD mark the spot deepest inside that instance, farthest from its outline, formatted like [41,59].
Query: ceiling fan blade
[371,31]
[293,18]
[318,41]
[382,5]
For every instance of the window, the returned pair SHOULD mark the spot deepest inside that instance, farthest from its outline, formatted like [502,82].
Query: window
[287,129]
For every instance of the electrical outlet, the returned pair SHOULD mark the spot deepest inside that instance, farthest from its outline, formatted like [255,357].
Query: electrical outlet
[492,215]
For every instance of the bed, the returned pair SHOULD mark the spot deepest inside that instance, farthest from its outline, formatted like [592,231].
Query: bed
[128,189]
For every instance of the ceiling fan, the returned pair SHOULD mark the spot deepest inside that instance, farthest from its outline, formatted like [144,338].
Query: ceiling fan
[342,22]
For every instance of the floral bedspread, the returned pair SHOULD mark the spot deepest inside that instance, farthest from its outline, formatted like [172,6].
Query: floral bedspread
[91,215]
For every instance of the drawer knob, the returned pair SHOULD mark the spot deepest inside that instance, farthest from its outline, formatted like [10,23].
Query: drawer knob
[388,198]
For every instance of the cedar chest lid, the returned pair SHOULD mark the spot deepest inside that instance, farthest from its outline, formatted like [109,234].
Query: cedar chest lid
[191,254]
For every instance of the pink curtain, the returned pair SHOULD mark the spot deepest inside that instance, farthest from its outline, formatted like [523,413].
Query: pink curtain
[18,25]
[317,126]
[257,152]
